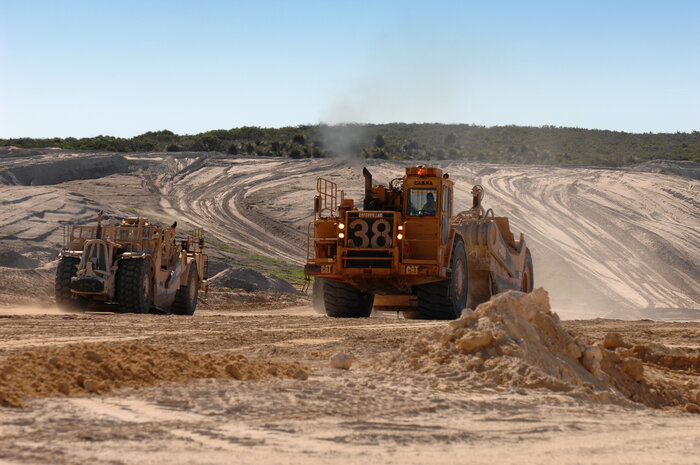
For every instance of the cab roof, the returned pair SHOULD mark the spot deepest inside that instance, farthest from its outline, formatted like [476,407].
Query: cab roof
[423,171]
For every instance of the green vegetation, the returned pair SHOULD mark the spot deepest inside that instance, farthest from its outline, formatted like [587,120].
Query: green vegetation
[293,274]
[7,234]
[398,141]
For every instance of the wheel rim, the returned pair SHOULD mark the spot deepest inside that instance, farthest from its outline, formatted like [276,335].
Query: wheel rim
[458,278]
[192,287]
[146,291]
[526,280]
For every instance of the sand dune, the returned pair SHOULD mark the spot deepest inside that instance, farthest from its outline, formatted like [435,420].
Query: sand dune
[620,243]
[623,242]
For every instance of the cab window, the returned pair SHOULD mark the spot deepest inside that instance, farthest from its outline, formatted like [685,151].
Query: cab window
[422,202]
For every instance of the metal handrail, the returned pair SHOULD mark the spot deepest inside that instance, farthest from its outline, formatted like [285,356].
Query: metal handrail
[308,242]
[327,195]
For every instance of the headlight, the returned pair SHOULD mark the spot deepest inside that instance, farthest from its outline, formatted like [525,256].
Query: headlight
[400,228]
[341,235]
[399,236]
[341,226]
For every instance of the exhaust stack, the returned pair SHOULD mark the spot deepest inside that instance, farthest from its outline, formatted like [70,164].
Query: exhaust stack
[98,229]
[368,189]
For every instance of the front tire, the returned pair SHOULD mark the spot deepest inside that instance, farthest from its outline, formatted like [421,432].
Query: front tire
[186,296]
[345,300]
[445,300]
[317,299]
[134,286]
[65,299]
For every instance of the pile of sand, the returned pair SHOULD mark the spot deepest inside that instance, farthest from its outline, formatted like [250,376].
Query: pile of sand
[653,374]
[12,151]
[516,341]
[55,171]
[250,281]
[12,259]
[97,368]
[684,168]
[26,285]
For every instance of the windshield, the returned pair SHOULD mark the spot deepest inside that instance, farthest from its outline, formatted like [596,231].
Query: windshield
[421,202]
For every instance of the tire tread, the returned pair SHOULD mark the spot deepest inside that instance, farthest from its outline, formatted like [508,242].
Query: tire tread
[66,269]
[130,277]
[344,300]
[435,300]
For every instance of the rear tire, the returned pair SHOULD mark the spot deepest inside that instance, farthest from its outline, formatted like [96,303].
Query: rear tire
[317,302]
[345,300]
[134,286]
[186,296]
[528,274]
[65,299]
[445,300]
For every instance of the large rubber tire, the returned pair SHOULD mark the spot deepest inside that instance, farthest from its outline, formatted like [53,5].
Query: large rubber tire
[528,274]
[185,302]
[134,286]
[345,300]
[65,299]
[445,300]
[317,299]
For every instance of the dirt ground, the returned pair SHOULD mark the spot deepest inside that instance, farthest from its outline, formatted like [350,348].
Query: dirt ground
[354,416]
[607,243]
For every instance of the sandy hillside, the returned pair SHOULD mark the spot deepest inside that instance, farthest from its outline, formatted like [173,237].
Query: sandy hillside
[620,243]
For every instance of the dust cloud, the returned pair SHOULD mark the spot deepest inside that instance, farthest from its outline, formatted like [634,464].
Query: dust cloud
[344,141]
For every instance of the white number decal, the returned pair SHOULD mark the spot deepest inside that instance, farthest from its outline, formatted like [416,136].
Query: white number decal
[359,229]
[361,233]
[376,234]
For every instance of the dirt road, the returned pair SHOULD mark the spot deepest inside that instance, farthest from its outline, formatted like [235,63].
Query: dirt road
[354,416]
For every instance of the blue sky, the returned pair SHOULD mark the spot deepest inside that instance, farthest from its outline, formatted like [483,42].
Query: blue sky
[83,68]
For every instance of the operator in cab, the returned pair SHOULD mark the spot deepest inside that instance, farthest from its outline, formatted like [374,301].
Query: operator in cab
[429,208]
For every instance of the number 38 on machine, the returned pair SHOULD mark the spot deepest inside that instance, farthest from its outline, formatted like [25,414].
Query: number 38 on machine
[373,232]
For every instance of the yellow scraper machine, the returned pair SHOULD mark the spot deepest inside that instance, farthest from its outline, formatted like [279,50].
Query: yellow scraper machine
[406,251]
[135,264]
